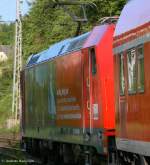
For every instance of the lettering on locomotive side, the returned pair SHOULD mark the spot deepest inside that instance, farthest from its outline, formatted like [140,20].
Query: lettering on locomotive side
[69,116]
[67,100]
[64,100]
[62,92]
[71,108]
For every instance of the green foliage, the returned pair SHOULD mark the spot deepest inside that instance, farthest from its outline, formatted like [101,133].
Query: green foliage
[7,38]
[105,8]
[6,34]
[6,80]
[6,76]
[5,91]
[5,109]
[46,24]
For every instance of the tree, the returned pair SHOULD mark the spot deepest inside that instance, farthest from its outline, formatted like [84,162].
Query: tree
[7,34]
[46,24]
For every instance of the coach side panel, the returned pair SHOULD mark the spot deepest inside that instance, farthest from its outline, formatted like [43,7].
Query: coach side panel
[133,94]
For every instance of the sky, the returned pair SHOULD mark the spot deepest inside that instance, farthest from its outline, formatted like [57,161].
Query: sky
[8,9]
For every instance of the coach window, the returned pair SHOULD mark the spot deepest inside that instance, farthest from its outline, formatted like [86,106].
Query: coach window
[131,61]
[122,79]
[93,61]
[140,63]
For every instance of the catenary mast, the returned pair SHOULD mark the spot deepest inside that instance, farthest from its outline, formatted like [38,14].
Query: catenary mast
[16,100]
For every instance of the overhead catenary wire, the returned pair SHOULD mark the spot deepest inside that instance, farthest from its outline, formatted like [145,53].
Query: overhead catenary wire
[78,19]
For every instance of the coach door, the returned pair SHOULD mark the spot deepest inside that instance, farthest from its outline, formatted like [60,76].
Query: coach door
[89,74]
[122,98]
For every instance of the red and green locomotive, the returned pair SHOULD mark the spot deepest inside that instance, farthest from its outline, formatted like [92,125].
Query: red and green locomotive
[69,95]
[86,99]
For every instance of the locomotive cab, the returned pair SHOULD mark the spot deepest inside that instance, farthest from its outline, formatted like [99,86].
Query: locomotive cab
[98,80]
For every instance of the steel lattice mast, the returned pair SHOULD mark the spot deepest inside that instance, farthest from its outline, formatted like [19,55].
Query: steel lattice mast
[16,102]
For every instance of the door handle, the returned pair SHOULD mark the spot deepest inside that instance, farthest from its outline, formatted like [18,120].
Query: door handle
[88,82]
[88,105]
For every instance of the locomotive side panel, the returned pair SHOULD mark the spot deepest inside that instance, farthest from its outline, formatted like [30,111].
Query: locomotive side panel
[40,100]
[69,90]
[99,89]
[98,61]
[106,79]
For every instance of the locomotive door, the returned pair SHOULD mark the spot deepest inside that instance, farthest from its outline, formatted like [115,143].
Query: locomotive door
[89,71]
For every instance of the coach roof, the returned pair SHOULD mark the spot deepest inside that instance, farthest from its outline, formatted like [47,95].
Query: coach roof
[134,14]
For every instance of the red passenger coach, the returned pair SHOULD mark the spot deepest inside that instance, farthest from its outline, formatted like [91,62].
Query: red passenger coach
[132,86]
[69,95]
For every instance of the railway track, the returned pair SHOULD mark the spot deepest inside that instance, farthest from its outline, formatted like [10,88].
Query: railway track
[10,152]
[8,155]
[8,142]
[16,155]
[9,139]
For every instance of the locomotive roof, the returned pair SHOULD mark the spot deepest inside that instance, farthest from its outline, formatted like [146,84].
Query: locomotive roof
[83,41]
[58,49]
[134,14]
[95,36]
